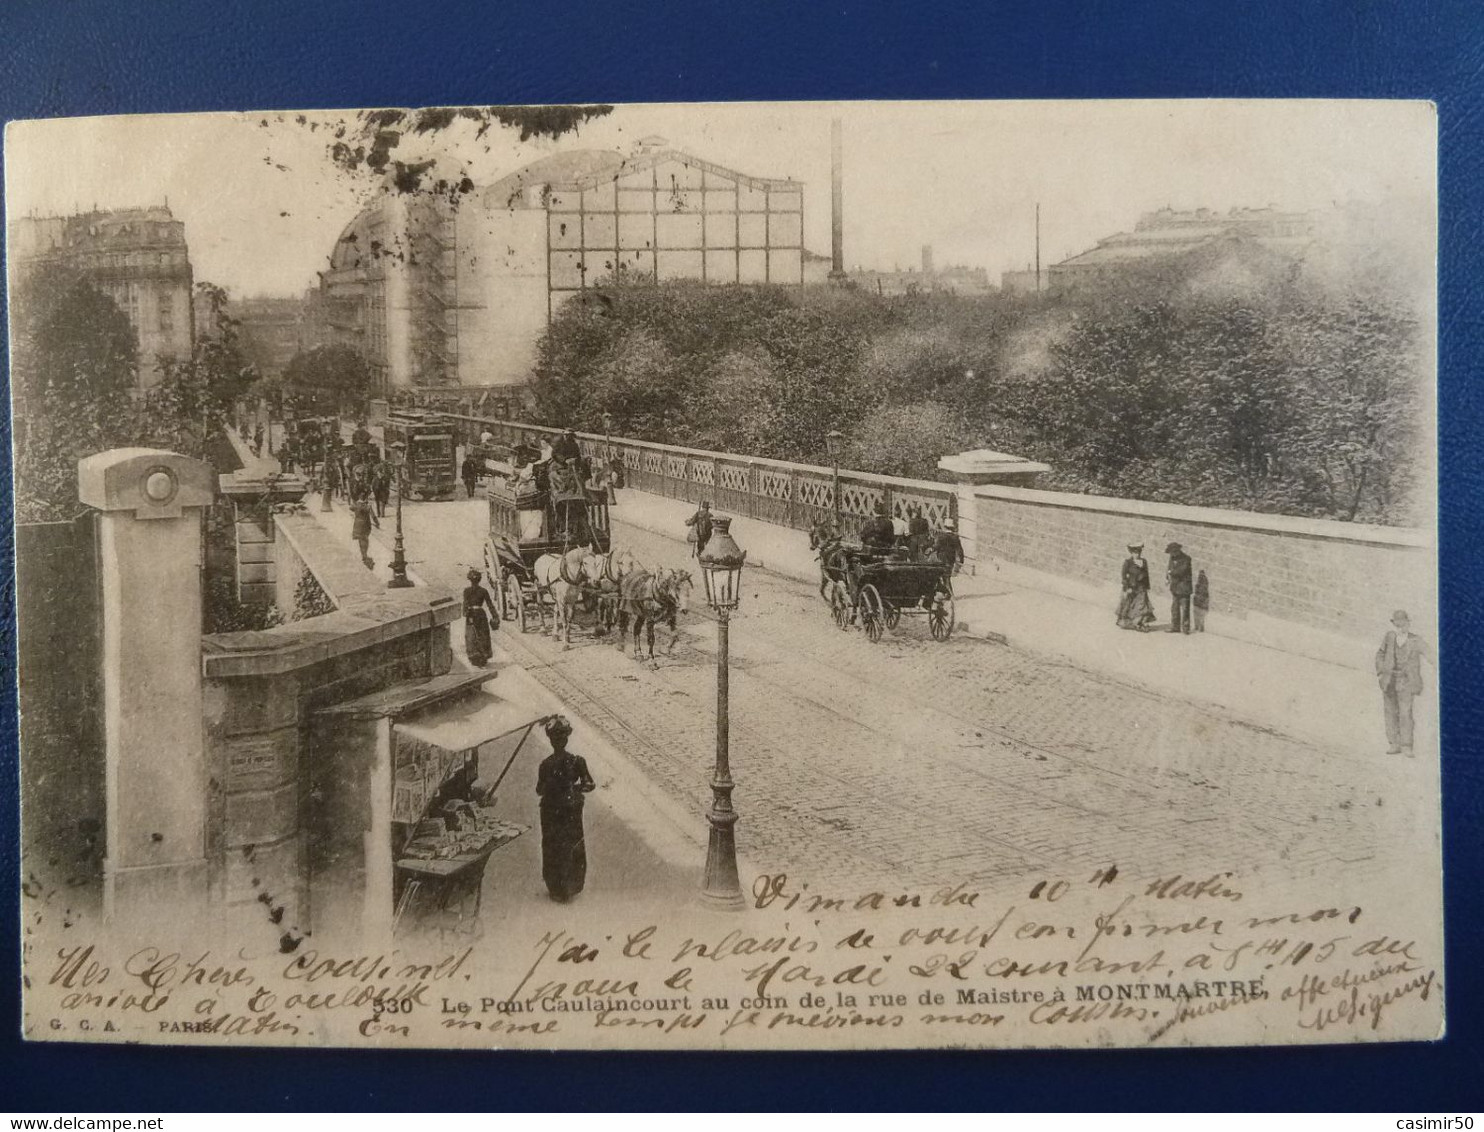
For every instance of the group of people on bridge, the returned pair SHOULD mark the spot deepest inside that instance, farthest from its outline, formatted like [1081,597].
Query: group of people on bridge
[547,466]
[913,536]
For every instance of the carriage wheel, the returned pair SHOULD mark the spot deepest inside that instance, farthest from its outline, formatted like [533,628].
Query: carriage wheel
[873,615]
[893,615]
[940,618]
[839,606]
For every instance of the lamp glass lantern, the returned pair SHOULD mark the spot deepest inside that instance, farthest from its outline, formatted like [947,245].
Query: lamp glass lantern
[721,566]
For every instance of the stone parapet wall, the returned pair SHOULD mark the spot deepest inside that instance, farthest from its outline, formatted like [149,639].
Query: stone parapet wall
[302,546]
[1341,579]
[260,690]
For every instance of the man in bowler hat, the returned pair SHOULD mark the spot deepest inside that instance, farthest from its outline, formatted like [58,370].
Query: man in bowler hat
[1178,575]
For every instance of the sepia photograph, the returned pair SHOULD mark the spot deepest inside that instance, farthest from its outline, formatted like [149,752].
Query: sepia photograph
[801,575]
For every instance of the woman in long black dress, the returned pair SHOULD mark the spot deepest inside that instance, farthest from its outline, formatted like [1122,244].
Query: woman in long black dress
[1134,610]
[562,783]
[477,622]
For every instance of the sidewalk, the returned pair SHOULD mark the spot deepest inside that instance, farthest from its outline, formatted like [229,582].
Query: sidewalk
[1299,696]
[252,466]
[641,855]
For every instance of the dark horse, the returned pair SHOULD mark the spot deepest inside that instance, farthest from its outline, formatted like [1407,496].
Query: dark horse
[825,538]
[649,598]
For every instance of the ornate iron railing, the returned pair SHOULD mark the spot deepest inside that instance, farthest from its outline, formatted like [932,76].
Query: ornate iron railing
[775,491]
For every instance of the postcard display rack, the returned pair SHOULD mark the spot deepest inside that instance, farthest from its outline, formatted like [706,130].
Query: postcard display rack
[402,812]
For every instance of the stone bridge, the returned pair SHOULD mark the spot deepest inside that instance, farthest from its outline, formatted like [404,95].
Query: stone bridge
[1311,586]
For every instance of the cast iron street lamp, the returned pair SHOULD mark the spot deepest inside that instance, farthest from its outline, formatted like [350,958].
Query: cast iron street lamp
[721,570]
[832,443]
[400,580]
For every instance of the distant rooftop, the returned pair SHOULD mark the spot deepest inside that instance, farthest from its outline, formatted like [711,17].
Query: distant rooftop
[1168,232]
[575,170]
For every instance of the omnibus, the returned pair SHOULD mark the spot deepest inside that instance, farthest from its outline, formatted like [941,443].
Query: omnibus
[430,470]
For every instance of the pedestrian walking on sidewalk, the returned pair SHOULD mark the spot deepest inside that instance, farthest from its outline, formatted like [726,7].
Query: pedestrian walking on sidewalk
[381,486]
[948,548]
[1399,673]
[470,474]
[1134,609]
[1200,601]
[332,478]
[257,441]
[480,615]
[701,533]
[362,520]
[1178,575]
[562,784]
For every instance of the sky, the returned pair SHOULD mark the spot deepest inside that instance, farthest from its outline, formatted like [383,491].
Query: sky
[263,204]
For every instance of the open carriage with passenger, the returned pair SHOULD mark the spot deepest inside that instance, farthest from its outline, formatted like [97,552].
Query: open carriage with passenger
[873,587]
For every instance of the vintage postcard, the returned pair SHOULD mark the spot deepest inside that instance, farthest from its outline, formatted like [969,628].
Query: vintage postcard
[859,575]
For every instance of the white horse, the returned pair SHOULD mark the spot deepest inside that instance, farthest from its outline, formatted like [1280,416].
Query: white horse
[567,577]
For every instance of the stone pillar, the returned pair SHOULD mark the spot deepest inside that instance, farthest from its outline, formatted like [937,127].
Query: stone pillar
[972,470]
[149,507]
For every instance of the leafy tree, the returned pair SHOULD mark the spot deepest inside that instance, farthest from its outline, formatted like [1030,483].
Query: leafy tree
[328,379]
[194,398]
[74,365]
[907,440]
[1229,383]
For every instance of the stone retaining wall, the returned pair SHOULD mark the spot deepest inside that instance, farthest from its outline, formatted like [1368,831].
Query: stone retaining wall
[1332,577]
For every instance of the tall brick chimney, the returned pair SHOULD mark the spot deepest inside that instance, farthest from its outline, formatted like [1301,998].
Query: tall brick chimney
[837,202]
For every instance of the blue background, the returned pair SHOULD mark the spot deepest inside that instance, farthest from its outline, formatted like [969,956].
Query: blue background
[73,57]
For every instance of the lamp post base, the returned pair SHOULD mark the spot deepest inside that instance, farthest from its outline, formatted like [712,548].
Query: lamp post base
[722,890]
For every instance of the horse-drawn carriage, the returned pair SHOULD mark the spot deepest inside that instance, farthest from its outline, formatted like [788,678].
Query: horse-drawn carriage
[532,516]
[874,588]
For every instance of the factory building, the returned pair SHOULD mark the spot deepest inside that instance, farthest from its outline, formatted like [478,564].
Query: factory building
[437,292]
[136,256]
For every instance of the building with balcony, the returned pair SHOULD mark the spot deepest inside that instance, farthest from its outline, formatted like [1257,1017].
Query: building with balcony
[136,256]
[272,329]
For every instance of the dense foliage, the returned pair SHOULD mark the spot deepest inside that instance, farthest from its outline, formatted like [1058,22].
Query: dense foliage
[1251,389]
[73,374]
[74,364]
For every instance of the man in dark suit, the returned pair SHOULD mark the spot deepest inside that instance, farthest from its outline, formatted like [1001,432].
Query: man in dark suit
[1399,672]
[1178,575]
[947,547]
[877,533]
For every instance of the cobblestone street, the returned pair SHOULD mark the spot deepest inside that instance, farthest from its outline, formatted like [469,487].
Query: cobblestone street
[934,763]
